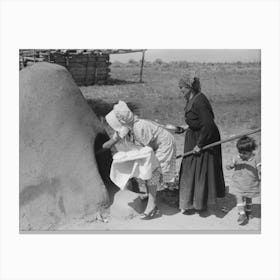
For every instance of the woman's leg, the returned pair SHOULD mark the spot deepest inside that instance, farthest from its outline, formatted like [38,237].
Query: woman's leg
[143,189]
[152,192]
[152,185]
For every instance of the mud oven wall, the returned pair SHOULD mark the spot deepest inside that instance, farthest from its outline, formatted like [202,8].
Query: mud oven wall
[59,176]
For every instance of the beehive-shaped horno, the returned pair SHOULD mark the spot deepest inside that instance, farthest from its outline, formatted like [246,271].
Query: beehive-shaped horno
[59,176]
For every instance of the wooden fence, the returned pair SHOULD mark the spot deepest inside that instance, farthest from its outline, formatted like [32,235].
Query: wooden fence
[86,67]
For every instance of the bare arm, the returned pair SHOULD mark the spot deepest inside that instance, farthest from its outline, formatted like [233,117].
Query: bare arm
[259,165]
[110,143]
[231,165]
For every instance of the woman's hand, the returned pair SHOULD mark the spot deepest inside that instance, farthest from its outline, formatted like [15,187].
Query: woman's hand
[179,130]
[196,150]
[259,170]
[232,165]
[107,145]
[229,167]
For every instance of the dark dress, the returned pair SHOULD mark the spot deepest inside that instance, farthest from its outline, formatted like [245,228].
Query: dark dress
[201,176]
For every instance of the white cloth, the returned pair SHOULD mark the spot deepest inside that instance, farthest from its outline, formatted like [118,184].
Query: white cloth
[137,163]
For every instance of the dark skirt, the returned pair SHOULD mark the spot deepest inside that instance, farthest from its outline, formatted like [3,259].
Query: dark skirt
[201,176]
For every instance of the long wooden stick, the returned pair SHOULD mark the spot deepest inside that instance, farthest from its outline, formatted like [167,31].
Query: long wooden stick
[142,65]
[221,142]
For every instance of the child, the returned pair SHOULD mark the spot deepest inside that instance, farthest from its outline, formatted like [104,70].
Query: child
[246,177]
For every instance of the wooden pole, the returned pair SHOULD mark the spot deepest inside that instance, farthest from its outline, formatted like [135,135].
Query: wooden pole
[142,65]
[21,61]
[221,142]
[87,55]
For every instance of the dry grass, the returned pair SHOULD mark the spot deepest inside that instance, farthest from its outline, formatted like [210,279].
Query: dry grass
[234,91]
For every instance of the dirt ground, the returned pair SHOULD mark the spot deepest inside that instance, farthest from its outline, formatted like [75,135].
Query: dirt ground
[173,221]
[235,94]
[221,218]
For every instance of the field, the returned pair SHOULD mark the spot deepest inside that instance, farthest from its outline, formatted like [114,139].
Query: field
[234,91]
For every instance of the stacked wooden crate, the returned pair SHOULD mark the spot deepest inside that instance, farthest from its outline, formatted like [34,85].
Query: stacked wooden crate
[87,68]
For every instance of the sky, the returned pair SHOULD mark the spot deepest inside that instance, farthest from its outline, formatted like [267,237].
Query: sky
[202,55]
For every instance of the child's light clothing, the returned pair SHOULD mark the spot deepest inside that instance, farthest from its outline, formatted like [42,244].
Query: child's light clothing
[245,179]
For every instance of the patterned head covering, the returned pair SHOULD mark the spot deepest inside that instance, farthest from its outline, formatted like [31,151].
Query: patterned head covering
[187,79]
[123,113]
[120,118]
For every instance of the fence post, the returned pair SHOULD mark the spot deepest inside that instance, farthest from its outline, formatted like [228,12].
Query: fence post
[142,65]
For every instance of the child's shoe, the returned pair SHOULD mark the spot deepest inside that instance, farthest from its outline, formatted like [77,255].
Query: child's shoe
[242,219]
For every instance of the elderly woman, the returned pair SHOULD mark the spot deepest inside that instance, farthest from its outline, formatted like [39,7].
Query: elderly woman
[201,174]
[145,133]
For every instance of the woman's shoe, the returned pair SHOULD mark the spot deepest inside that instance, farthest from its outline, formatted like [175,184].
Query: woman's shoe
[152,214]
[144,196]
[191,211]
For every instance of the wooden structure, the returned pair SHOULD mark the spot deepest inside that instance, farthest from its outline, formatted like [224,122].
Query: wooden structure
[88,67]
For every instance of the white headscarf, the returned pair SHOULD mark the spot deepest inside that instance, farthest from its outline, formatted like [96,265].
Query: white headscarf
[123,113]
[120,118]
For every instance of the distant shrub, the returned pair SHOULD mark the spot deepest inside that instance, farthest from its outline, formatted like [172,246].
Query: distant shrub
[240,64]
[165,65]
[158,61]
[184,64]
[117,64]
[147,64]
[133,62]
[179,64]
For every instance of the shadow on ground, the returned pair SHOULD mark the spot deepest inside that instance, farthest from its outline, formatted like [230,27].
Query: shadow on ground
[111,82]
[168,202]
[256,210]
[225,205]
[222,208]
